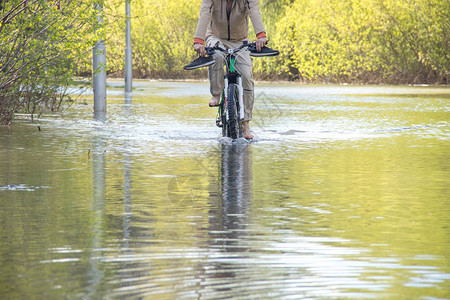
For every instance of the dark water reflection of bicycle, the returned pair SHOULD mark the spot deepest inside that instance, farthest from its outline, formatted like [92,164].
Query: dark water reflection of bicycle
[230,208]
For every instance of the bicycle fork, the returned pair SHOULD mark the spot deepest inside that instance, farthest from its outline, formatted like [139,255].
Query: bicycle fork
[238,81]
[241,98]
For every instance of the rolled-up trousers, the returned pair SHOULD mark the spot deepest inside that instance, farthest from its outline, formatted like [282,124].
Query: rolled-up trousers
[243,66]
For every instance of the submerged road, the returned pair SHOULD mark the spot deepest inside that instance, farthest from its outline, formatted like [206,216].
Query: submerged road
[342,194]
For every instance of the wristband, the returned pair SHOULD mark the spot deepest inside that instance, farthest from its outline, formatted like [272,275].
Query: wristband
[199,41]
[262,34]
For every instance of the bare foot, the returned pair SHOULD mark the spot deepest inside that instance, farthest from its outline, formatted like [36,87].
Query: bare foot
[215,101]
[246,131]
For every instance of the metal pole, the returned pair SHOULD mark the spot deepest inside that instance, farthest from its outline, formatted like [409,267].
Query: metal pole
[99,72]
[128,52]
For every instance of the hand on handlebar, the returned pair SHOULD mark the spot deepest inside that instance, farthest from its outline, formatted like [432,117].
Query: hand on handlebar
[200,49]
[253,47]
[260,43]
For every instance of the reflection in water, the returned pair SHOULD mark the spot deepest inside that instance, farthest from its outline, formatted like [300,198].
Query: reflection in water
[127,216]
[127,179]
[229,211]
[230,196]
[98,206]
[236,188]
[126,230]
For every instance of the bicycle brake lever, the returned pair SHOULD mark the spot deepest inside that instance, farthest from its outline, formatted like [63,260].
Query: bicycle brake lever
[252,47]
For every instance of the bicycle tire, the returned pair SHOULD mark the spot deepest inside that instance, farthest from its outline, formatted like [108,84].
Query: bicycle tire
[232,110]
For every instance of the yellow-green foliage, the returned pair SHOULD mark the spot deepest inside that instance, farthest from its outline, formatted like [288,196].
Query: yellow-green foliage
[320,40]
[367,40]
[326,38]
[162,36]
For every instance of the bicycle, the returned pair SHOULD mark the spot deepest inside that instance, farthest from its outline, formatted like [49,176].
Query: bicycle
[231,106]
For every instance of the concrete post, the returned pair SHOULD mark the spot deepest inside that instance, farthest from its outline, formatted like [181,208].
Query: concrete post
[99,72]
[128,50]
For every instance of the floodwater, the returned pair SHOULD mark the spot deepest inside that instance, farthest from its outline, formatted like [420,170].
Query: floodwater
[343,194]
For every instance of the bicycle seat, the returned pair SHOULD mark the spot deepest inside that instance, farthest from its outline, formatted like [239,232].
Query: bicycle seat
[265,51]
[200,62]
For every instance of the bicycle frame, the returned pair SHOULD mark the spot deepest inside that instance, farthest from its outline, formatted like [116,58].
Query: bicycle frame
[231,111]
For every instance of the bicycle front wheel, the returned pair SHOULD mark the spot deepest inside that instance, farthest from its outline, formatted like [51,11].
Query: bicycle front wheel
[232,111]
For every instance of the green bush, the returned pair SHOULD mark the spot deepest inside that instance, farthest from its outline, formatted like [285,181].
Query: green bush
[368,41]
[40,41]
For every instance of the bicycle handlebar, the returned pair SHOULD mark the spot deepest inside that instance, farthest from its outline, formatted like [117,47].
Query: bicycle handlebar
[200,62]
[212,50]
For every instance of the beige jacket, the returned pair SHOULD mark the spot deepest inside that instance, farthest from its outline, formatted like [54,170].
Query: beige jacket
[215,20]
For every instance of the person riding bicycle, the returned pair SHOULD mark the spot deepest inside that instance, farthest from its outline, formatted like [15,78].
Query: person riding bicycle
[225,23]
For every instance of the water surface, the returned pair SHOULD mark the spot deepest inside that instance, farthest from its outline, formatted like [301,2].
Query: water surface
[343,194]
